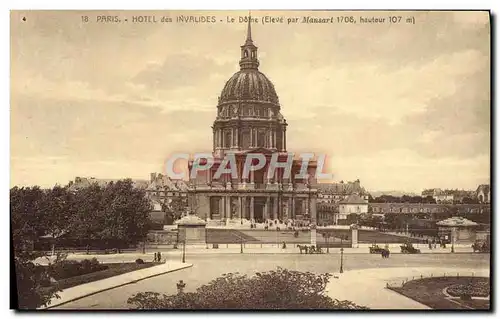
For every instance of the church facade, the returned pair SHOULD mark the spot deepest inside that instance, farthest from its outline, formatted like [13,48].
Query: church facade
[248,122]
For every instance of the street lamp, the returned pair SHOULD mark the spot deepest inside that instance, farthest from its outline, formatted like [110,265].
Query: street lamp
[184,251]
[342,253]
[453,239]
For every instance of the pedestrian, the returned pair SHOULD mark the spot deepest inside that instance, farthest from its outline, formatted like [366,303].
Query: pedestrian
[159,256]
[156,257]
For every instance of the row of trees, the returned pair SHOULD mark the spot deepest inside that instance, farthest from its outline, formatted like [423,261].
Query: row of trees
[402,199]
[417,200]
[117,212]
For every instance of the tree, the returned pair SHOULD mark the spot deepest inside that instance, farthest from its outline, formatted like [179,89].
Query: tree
[280,289]
[173,207]
[56,213]
[468,200]
[352,218]
[31,278]
[25,216]
[327,235]
[124,213]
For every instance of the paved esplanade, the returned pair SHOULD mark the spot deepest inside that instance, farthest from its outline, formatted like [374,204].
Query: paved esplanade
[366,286]
[207,267]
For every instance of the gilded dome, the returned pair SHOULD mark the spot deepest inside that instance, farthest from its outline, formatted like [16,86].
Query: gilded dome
[249,84]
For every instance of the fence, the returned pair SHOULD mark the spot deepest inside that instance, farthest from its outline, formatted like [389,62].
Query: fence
[400,283]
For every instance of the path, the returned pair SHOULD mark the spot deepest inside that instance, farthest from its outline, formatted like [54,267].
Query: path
[88,289]
[366,287]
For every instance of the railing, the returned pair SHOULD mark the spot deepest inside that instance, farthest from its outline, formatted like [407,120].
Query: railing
[403,281]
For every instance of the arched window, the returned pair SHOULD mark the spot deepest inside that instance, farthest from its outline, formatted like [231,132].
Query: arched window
[245,54]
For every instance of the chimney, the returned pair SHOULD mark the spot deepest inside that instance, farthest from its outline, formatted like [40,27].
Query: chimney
[153,177]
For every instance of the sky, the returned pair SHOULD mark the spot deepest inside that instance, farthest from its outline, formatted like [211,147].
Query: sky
[399,106]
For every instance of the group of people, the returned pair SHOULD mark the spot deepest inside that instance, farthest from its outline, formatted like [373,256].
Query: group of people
[433,243]
[157,257]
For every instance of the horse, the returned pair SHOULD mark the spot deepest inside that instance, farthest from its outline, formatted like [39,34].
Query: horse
[303,248]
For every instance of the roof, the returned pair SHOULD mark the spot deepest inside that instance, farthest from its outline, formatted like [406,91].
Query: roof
[83,182]
[483,187]
[249,84]
[164,182]
[354,199]
[337,188]
[456,222]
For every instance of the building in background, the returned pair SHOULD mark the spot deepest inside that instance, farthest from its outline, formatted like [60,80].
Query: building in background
[447,196]
[353,204]
[483,193]
[84,182]
[336,192]
[249,121]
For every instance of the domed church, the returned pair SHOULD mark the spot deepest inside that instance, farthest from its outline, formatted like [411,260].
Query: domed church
[249,120]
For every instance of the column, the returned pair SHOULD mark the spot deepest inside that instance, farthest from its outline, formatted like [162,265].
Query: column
[289,208]
[312,211]
[251,137]
[221,207]
[227,211]
[294,213]
[252,208]
[284,139]
[274,138]
[244,207]
[237,137]
[240,207]
[266,208]
[232,137]
[275,208]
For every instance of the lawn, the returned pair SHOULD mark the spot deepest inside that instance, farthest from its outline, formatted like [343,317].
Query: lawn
[429,291]
[229,236]
[114,269]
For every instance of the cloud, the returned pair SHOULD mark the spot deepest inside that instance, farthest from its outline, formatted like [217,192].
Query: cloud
[180,70]
[409,101]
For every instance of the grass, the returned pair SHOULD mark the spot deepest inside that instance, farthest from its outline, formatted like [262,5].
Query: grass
[229,236]
[114,269]
[429,291]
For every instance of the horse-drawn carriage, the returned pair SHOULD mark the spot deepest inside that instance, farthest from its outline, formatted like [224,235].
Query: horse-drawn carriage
[481,246]
[310,249]
[376,249]
[408,248]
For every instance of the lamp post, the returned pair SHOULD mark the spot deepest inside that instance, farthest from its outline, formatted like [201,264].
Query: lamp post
[341,254]
[184,251]
[452,239]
